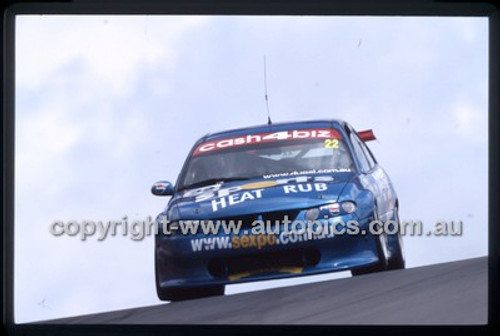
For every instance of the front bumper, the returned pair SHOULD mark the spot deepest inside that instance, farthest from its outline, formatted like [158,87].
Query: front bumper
[220,259]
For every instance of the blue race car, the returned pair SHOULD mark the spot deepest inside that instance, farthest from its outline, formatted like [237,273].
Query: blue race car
[275,201]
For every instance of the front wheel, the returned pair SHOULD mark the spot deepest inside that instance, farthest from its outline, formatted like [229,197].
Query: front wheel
[396,247]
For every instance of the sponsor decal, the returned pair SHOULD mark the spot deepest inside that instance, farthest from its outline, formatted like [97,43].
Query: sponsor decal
[228,197]
[233,199]
[330,134]
[211,243]
[224,197]
[310,171]
[202,191]
[257,241]
[304,187]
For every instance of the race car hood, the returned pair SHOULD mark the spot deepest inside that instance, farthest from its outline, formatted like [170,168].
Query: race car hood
[258,196]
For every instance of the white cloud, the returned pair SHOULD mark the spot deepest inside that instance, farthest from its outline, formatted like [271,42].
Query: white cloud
[470,121]
[114,48]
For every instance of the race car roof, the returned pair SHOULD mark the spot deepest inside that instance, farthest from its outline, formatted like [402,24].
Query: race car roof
[273,127]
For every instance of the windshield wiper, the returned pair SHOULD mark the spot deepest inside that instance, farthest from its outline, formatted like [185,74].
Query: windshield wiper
[212,181]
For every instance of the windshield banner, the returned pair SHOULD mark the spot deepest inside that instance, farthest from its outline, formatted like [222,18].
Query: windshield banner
[323,133]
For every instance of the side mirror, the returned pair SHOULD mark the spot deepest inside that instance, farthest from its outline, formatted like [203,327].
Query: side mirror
[162,188]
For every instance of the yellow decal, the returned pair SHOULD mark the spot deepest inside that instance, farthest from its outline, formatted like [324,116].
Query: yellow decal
[331,143]
[295,270]
[259,241]
[238,276]
[258,185]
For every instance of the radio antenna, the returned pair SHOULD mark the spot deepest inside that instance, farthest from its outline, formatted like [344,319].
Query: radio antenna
[265,93]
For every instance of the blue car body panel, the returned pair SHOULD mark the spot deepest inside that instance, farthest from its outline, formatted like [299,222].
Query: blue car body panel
[202,259]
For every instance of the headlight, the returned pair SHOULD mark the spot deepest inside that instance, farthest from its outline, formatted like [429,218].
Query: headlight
[348,206]
[312,214]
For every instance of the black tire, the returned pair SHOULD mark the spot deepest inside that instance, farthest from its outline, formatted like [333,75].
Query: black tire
[185,293]
[381,251]
[396,248]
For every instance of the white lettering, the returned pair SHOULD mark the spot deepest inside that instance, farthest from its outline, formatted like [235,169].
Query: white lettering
[221,202]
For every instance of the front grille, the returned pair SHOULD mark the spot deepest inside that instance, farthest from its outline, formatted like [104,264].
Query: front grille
[247,220]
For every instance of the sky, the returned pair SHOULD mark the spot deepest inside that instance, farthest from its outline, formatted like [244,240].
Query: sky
[108,105]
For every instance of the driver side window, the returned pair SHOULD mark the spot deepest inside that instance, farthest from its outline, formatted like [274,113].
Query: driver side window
[360,154]
[366,150]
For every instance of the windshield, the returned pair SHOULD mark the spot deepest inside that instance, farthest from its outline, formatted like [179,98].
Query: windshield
[278,155]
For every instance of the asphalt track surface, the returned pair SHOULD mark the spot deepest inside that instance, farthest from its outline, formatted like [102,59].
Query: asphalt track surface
[448,293]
